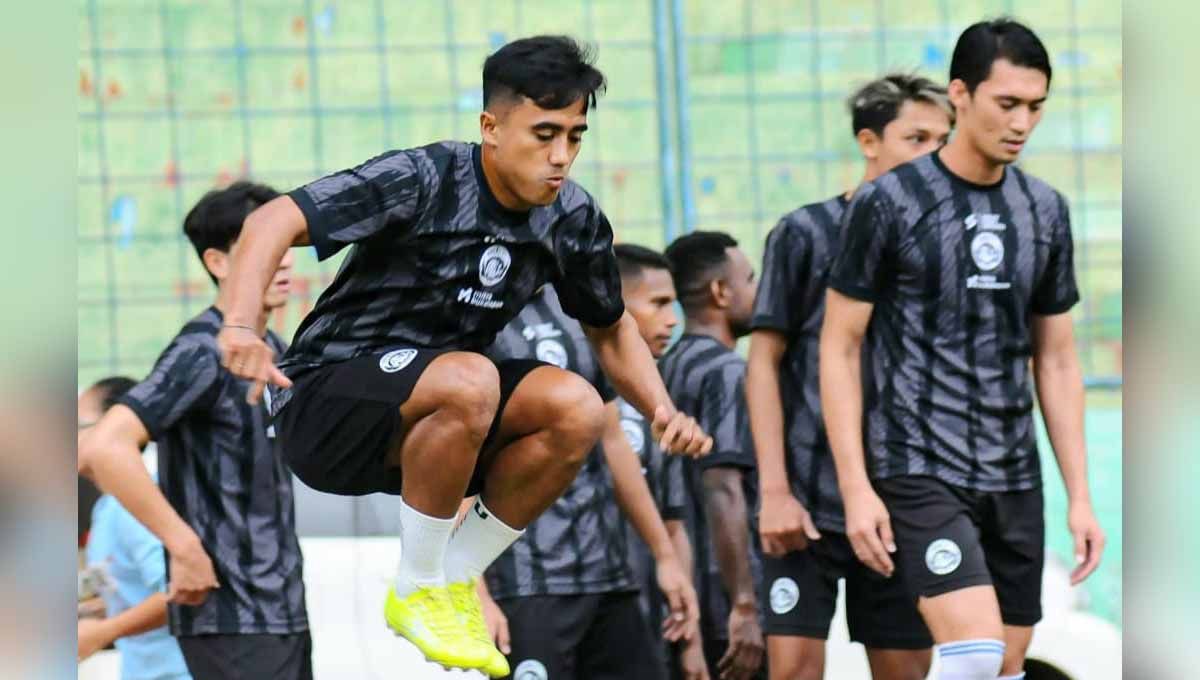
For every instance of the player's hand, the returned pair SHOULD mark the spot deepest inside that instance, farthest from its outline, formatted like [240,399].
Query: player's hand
[93,636]
[869,528]
[679,433]
[497,622]
[191,570]
[248,357]
[676,587]
[744,656]
[784,524]
[692,661]
[1089,540]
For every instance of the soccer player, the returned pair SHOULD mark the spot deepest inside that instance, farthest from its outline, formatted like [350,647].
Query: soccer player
[224,512]
[132,559]
[894,119]
[716,287]
[649,294]
[566,595]
[955,271]
[385,389]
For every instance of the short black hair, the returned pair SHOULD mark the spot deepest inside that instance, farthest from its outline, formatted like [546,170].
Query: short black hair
[216,219]
[111,389]
[1004,38]
[877,103]
[696,259]
[633,259]
[552,70]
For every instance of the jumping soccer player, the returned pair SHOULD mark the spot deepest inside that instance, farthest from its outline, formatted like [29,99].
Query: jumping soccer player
[894,119]
[956,272]
[385,389]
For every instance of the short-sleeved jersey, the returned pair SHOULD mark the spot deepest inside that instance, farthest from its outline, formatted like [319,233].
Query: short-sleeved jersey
[664,476]
[707,380]
[438,262]
[791,300]
[956,272]
[223,475]
[577,546]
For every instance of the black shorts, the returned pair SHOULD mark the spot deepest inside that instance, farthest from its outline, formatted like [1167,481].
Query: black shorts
[949,538]
[336,429]
[581,637]
[800,590]
[248,657]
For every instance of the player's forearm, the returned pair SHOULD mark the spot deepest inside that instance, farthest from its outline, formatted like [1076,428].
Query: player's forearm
[266,236]
[632,493]
[629,366]
[683,545]
[1059,381]
[766,416]
[117,469]
[725,507]
[841,406]
[147,615]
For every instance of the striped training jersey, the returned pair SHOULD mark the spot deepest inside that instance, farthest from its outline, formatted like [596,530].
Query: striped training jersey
[222,473]
[707,380]
[577,546]
[956,272]
[791,300]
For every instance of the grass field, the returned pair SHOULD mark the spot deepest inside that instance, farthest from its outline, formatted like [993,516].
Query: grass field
[179,96]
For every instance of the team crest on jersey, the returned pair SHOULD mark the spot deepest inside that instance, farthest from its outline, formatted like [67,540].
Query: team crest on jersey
[530,669]
[494,264]
[396,360]
[552,352]
[784,595]
[987,250]
[633,432]
[943,556]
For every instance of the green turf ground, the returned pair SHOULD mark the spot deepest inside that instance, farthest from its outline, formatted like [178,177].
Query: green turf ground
[178,96]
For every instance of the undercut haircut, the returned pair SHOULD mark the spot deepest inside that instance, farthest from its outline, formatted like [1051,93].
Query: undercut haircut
[551,70]
[877,103]
[216,219]
[633,259]
[983,43]
[696,260]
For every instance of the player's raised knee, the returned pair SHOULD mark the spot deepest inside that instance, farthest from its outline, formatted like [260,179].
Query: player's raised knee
[578,413]
[469,385]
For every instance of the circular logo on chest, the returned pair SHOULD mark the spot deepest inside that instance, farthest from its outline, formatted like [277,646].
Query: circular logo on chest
[551,352]
[494,264]
[987,250]
[633,432]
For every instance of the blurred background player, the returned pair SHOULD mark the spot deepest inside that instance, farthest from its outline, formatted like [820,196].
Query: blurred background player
[716,285]
[223,506]
[135,572]
[649,294]
[894,119]
[956,271]
[564,590]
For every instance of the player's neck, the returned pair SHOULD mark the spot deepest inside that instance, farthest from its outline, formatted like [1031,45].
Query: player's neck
[713,325]
[503,196]
[968,163]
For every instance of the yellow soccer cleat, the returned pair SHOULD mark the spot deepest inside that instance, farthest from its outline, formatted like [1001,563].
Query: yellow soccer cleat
[470,615]
[427,618]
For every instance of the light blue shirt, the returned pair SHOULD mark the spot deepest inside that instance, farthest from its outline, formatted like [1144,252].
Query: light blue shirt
[136,566]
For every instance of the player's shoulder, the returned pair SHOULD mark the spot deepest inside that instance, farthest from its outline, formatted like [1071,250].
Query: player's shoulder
[1039,190]
[812,218]
[572,197]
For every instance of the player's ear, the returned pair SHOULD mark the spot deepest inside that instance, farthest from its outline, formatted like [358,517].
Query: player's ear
[718,293]
[868,143]
[487,128]
[216,262]
[957,92]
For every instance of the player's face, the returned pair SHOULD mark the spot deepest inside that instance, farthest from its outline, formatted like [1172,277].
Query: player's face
[281,283]
[650,300]
[743,284]
[535,147]
[918,129]
[999,118]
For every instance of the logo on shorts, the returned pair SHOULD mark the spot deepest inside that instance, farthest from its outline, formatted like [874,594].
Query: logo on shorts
[987,250]
[530,669]
[784,595]
[943,556]
[633,432]
[494,265]
[552,352]
[396,360]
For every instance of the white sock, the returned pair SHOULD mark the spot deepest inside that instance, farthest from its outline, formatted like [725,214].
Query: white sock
[423,542]
[476,543]
[970,659]
[1018,676]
